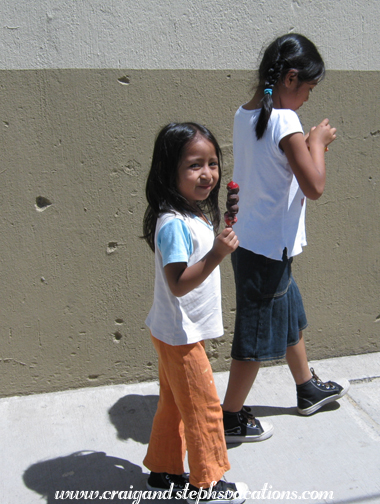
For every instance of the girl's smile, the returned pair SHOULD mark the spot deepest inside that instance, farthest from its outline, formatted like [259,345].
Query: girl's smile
[198,170]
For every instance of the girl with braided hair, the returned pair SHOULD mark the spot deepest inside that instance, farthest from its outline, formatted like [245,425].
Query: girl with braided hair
[277,167]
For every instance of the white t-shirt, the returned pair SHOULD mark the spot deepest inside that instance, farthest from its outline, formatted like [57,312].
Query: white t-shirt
[197,315]
[271,206]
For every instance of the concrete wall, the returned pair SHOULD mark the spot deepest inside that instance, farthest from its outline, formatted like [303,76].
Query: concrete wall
[84,88]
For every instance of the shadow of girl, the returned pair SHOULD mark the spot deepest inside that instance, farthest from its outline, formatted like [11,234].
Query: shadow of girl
[81,471]
[132,416]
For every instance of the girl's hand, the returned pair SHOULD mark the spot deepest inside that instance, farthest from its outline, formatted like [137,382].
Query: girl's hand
[306,156]
[307,135]
[225,243]
[322,134]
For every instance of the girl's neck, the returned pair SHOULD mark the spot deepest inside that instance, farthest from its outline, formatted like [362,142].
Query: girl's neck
[255,102]
[198,213]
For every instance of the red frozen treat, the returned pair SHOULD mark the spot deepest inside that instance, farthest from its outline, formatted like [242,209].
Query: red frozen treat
[230,220]
[232,203]
[233,187]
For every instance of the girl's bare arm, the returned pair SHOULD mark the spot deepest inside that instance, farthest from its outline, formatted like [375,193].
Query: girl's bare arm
[307,158]
[183,279]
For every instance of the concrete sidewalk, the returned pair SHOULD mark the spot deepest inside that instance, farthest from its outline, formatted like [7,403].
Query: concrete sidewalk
[96,439]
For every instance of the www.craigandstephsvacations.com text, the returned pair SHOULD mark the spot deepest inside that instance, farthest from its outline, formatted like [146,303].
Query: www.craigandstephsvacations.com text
[138,496]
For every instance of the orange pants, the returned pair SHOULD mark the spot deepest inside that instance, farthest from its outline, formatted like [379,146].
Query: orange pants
[188,415]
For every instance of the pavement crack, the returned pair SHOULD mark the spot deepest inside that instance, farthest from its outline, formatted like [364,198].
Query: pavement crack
[364,420]
[366,379]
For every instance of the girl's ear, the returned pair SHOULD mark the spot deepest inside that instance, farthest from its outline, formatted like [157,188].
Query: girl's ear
[291,79]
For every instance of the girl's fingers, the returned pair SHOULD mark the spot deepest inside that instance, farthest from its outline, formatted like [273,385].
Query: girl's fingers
[231,238]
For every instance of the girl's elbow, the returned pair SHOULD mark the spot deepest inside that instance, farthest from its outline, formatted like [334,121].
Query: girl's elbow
[314,192]
[177,291]
[314,195]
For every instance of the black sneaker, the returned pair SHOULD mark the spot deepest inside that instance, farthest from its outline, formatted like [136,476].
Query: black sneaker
[163,481]
[243,427]
[221,493]
[315,393]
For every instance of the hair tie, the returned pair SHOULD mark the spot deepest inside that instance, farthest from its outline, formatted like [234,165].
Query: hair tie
[268,91]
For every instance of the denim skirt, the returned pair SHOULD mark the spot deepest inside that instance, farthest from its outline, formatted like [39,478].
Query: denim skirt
[269,308]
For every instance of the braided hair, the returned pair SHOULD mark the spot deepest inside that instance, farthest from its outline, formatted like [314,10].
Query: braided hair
[291,51]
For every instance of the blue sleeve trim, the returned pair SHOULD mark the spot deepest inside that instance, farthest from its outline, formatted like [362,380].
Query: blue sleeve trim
[174,242]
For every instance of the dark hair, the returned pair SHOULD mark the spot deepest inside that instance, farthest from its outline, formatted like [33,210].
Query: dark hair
[161,186]
[291,51]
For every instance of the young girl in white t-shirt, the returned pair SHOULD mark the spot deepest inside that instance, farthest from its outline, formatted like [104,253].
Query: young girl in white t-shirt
[182,188]
[277,167]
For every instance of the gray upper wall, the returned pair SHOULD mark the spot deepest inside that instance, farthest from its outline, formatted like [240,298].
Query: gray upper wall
[182,34]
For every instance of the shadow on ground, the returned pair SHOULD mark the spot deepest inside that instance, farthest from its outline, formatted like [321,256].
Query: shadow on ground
[83,471]
[96,472]
[132,416]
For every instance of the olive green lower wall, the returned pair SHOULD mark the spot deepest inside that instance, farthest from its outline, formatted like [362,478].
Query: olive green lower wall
[77,281]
